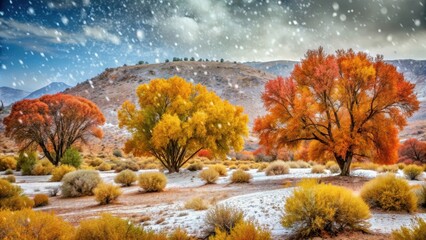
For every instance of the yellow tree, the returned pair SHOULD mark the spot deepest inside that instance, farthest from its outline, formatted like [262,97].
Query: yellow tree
[176,119]
[346,105]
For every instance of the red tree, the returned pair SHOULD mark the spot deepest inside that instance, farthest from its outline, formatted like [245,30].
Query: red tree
[53,123]
[413,149]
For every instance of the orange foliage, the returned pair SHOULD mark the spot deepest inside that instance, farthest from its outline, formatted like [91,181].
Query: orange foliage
[413,149]
[53,123]
[348,103]
[205,153]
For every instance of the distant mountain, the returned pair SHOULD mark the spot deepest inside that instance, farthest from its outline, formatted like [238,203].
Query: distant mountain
[54,87]
[10,95]
[278,68]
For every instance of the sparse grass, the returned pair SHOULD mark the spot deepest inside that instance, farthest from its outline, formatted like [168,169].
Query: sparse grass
[277,168]
[413,171]
[223,218]
[209,175]
[416,232]
[196,204]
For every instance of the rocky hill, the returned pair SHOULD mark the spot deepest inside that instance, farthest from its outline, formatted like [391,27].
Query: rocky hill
[10,95]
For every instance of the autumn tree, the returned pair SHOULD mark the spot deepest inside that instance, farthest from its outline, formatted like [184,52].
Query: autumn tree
[413,149]
[177,119]
[53,123]
[346,105]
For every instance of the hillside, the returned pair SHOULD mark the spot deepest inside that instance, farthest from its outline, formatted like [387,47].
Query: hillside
[10,95]
[52,88]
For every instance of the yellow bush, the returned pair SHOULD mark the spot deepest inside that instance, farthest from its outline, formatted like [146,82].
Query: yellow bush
[59,172]
[318,169]
[114,228]
[292,164]
[42,167]
[196,166]
[303,164]
[417,232]
[364,165]
[329,164]
[179,234]
[10,178]
[28,225]
[104,167]
[401,166]
[262,166]
[389,193]
[95,162]
[412,171]
[421,196]
[334,168]
[209,175]
[277,168]
[239,176]
[221,169]
[7,162]
[233,166]
[41,200]
[126,178]
[244,167]
[11,197]
[106,193]
[317,208]
[222,218]
[196,203]
[388,168]
[242,231]
[152,181]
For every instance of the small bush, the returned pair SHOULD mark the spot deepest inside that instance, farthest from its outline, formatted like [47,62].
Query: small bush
[317,169]
[72,157]
[42,167]
[277,168]
[417,232]
[26,162]
[209,175]
[292,164]
[223,218]
[334,168]
[104,167]
[128,164]
[244,167]
[389,193]
[40,200]
[126,178]
[197,204]
[11,197]
[27,224]
[329,164]
[8,172]
[401,166]
[179,234]
[106,193]
[242,231]
[95,162]
[59,172]
[412,171]
[196,166]
[10,178]
[388,168]
[303,164]
[117,153]
[239,176]
[421,196]
[7,162]
[233,166]
[262,166]
[152,181]
[221,169]
[79,183]
[317,208]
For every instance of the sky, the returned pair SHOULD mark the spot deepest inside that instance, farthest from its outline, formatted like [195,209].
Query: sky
[43,41]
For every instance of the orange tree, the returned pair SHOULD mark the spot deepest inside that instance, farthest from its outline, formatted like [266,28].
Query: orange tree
[53,123]
[346,105]
[176,119]
[413,149]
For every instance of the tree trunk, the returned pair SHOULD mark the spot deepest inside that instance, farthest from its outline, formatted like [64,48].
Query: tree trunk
[344,163]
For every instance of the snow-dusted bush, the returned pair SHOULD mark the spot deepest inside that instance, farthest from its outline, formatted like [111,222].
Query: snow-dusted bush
[240,176]
[106,193]
[223,218]
[277,168]
[80,183]
[152,181]
[209,175]
[196,203]
[126,178]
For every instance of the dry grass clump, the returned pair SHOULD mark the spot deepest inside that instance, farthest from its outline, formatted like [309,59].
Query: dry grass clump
[106,193]
[219,168]
[209,175]
[292,164]
[277,168]
[413,171]
[233,166]
[12,198]
[222,218]
[314,209]
[104,167]
[197,204]
[303,164]
[240,176]
[329,164]
[243,230]
[79,183]
[9,178]
[244,167]
[196,166]
[7,162]
[42,167]
[365,166]
[401,166]
[416,232]
[152,181]
[94,162]
[128,164]
[334,168]
[59,172]
[262,166]
[317,169]
[41,200]
[388,168]
[421,195]
[126,178]
[389,193]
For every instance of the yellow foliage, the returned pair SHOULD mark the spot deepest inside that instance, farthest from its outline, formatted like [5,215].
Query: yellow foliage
[43,167]
[126,178]
[412,171]
[41,200]
[223,218]
[209,175]
[197,204]
[417,232]
[318,169]
[221,169]
[106,193]
[244,230]
[239,176]
[11,197]
[7,162]
[104,167]
[152,181]
[277,168]
[59,172]
[179,234]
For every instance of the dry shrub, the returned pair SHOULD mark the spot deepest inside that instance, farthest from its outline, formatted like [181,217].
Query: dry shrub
[417,232]
[80,183]
[262,166]
[364,165]
[401,166]
[317,169]
[59,172]
[196,166]
[303,164]
[11,197]
[109,227]
[277,168]
[233,166]
[244,167]
[128,164]
[223,218]
[388,168]
[219,168]
[27,224]
[8,172]
[292,164]
[152,181]
[242,231]
[43,167]
[334,168]
[239,176]
[104,167]
[196,203]
[389,193]
[41,200]
[7,162]
[179,234]
[10,178]
[209,175]
[315,208]
[421,195]
[126,178]
[413,171]
[329,164]
[106,193]
[95,162]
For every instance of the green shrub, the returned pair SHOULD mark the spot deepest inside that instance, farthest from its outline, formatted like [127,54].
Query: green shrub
[412,171]
[26,162]
[209,175]
[277,168]
[10,178]
[152,181]
[239,176]
[117,153]
[11,197]
[72,157]
[221,169]
[126,178]
[106,193]
[417,232]
[42,167]
[41,200]
[104,167]
[7,162]
[8,172]
[389,193]
[59,172]
[223,218]
[315,208]
[317,169]
[243,230]
[197,204]
[79,183]
[196,166]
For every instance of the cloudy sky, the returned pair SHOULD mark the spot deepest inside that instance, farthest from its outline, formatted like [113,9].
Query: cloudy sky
[43,41]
